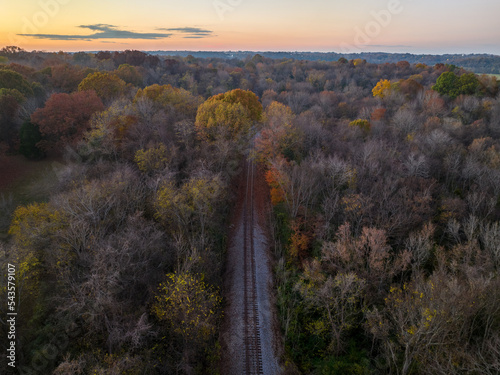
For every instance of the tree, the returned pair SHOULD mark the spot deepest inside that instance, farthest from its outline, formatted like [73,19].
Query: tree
[437,324]
[190,207]
[337,298]
[117,275]
[129,74]
[382,88]
[29,138]
[489,85]
[9,108]
[167,97]
[107,86]
[13,80]
[189,306]
[65,118]
[469,84]
[231,114]
[448,83]
[66,77]
[368,256]
[13,93]
[153,159]
[278,136]
[362,124]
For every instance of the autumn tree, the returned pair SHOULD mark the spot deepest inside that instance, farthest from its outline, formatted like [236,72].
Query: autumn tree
[129,74]
[118,273]
[107,86]
[152,159]
[167,97]
[337,297]
[65,118]
[189,306]
[114,133]
[66,77]
[382,88]
[34,229]
[368,255]
[278,135]
[188,211]
[363,125]
[230,115]
[433,325]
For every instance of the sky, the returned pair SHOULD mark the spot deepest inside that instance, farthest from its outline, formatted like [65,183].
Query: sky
[413,26]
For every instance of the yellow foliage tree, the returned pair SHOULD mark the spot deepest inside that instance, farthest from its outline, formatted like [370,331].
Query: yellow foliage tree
[32,229]
[107,86]
[179,99]
[229,115]
[364,125]
[337,298]
[188,209]
[34,224]
[152,159]
[382,88]
[189,306]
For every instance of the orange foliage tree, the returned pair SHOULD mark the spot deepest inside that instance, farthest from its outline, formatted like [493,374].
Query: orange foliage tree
[273,178]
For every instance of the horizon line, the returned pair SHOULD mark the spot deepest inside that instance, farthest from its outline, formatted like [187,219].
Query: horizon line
[272,51]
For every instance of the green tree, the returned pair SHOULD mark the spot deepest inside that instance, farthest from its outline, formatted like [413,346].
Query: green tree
[13,93]
[449,84]
[468,84]
[13,80]
[29,137]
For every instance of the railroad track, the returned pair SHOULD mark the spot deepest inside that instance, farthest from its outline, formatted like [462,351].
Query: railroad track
[252,339]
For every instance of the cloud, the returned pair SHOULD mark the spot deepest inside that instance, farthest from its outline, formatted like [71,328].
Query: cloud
[190,32]
[102,31]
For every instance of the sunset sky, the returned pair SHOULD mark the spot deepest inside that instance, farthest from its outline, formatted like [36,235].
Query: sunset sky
[422,26]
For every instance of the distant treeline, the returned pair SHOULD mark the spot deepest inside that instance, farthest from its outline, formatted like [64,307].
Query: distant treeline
[478,63]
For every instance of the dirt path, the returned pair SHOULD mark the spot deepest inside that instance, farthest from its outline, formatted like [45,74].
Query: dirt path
[249,333]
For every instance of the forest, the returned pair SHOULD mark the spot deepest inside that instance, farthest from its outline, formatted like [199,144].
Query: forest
[477,63]
[384,211]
